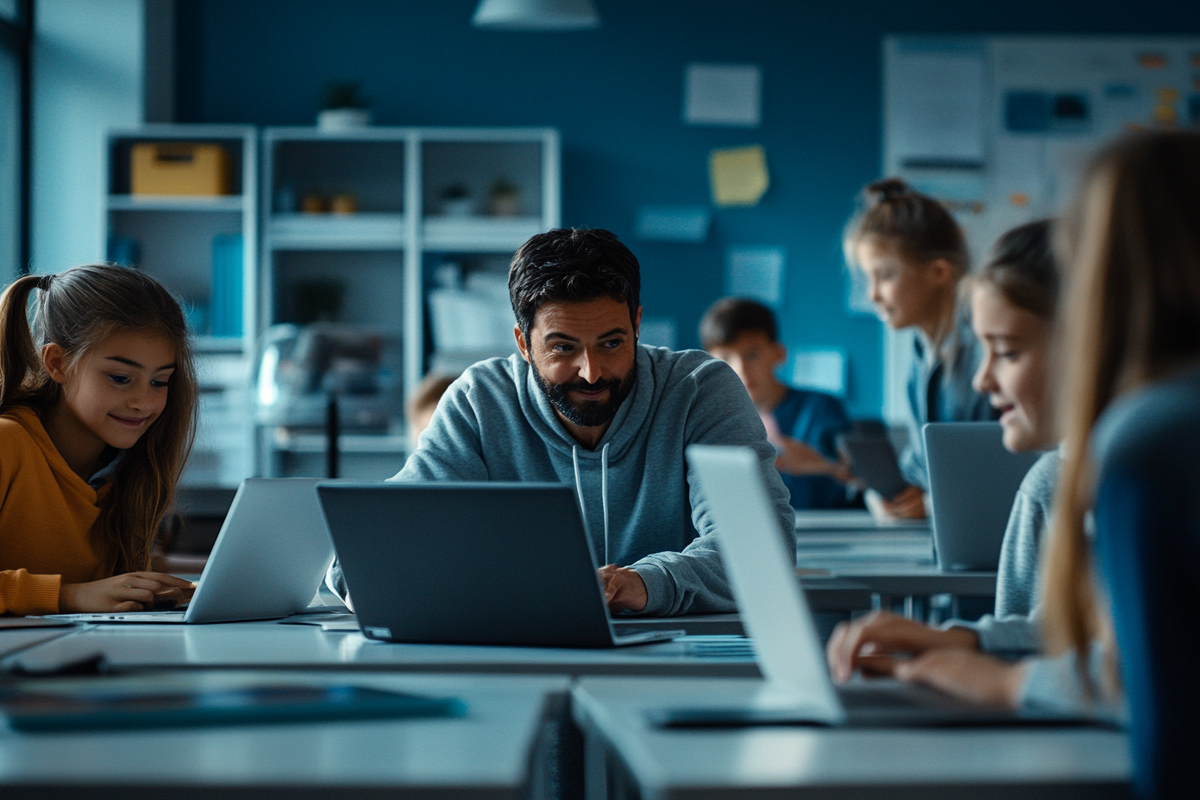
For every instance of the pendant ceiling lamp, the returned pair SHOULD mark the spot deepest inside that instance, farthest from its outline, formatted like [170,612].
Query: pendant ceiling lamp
[536,15]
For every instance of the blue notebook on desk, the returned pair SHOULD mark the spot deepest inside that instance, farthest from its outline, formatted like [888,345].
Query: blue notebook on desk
[90,709]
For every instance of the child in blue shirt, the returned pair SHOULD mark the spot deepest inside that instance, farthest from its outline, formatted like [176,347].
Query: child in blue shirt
[803,425]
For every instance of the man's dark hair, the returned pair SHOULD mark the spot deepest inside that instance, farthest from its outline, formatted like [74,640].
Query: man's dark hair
[728,319]
[573,265]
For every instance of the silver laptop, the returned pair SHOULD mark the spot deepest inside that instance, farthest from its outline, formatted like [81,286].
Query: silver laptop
[776,616]
[268,560]
[973,481]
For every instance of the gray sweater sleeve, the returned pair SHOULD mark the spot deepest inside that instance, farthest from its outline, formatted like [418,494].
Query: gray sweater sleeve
[694,580]
[1014,627]
[450,448]
[1054,683]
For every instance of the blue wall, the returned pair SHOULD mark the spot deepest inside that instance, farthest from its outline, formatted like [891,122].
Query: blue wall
[615,94]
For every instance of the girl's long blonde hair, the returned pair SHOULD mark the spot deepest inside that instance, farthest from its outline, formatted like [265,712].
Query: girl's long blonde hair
[77,310]
[1131,244]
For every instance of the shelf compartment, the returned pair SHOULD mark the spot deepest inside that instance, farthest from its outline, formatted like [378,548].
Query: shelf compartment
[479,234]
[293,442]
[218,344]
[133,202]
[361,231]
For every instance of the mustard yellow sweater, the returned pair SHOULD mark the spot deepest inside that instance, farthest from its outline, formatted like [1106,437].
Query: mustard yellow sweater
[46,518]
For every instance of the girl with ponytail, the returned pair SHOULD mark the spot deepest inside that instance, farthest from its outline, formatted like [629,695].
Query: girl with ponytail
[914,256]
[97,417]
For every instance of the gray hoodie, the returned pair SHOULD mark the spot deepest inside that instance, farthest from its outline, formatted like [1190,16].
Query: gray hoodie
[640,506]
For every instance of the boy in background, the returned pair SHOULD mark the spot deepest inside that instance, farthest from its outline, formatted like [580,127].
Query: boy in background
[422,404]
[803,425]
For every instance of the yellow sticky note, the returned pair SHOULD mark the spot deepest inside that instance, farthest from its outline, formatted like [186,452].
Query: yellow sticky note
[738,175]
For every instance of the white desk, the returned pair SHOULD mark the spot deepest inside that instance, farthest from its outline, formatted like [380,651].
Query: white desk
[491,752]
[622,746]
[13,640]
[852,519]
[894,560]
[251,645]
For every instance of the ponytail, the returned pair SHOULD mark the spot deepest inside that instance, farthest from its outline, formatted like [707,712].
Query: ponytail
[20,363]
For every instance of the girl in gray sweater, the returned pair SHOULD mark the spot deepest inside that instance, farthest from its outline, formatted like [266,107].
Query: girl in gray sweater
[1012,301]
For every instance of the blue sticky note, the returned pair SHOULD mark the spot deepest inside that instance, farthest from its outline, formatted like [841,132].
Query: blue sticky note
[823,370]
[673,223]
[756,272]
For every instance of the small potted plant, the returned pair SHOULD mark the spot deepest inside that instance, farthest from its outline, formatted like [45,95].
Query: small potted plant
[343,107]
[457,201]
[504,199]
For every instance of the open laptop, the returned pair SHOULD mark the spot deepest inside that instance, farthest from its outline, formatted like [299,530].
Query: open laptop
[267,563]
[775,614]
[471,563]
[973,481]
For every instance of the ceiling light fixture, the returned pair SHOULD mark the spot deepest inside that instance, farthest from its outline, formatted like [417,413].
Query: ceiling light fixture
[536,15]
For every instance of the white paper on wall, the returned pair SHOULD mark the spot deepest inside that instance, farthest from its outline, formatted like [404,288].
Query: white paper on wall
[935,103]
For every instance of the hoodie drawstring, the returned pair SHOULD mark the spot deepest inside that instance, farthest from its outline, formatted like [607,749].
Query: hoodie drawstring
[603,492]
[579,488]
[604,496]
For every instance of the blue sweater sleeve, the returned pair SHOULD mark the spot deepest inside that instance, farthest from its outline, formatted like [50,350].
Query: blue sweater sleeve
[1147,516]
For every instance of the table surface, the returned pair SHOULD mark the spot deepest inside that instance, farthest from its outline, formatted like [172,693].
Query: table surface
[485,753]
[253,645]
[853,519]
[888,558]
[14,640]
[829,762]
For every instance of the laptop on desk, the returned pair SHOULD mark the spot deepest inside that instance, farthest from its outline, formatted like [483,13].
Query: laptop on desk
[267,563]
[471,563]
[973,481]
[776,616]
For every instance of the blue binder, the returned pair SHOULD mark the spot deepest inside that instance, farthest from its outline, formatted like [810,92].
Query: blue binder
[225,308]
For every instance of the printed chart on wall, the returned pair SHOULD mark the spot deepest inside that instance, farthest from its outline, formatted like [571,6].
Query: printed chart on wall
[1000,128]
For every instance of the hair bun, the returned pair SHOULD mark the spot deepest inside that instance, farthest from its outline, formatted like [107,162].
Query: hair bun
[887,189]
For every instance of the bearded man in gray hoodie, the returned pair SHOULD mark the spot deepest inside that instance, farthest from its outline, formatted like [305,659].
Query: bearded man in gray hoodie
[583,403]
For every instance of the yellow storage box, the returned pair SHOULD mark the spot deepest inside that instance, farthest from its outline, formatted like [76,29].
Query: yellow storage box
[188,168]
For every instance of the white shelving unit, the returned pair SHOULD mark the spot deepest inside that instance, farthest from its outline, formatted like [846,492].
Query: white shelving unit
[174,239]
[379,256]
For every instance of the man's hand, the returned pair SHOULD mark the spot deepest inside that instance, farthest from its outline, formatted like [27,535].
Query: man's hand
[968,675]
[870,643]
[624,589]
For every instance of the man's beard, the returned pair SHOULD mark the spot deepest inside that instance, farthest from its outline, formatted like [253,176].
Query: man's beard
[589,413]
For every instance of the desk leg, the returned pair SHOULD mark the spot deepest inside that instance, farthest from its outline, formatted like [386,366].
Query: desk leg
[595,766]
